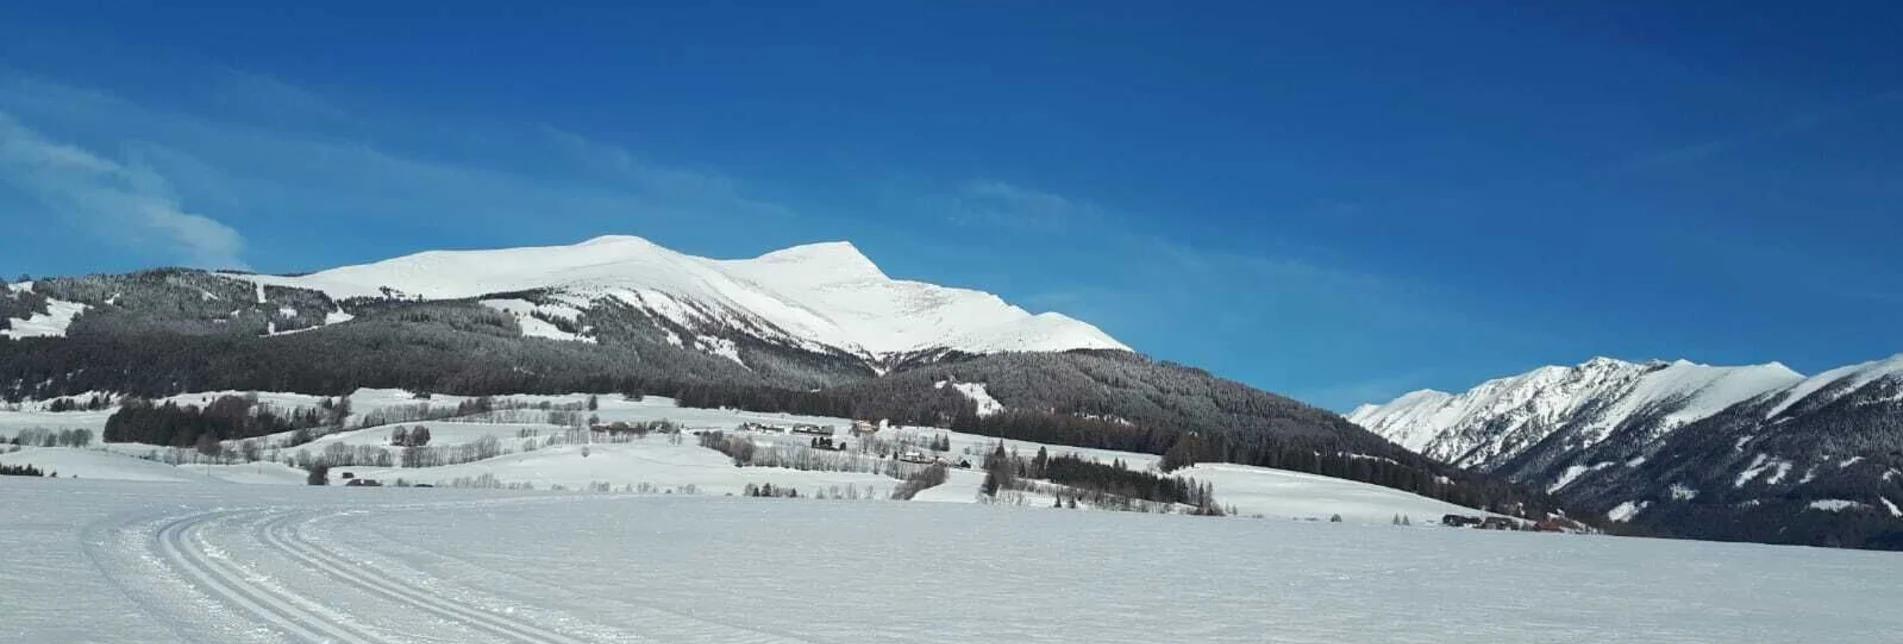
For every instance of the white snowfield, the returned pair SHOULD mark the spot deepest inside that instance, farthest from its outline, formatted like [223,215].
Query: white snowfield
[122,562]
[820,296]
[11,422]
[51,324]
[111,465]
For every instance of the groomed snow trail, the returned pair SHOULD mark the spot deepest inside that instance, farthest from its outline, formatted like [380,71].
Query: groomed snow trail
[221,580]
[275,575]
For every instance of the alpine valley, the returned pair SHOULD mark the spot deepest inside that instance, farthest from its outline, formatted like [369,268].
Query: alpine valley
[817,330]
[1755,453]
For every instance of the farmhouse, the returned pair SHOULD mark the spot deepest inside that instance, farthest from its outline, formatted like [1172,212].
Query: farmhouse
[813,430]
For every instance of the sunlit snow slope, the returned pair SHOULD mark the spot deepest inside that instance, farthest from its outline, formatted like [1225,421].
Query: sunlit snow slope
[816,296]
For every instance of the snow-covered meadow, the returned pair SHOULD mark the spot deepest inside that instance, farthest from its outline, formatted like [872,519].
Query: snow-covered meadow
[123,561]
[537,454]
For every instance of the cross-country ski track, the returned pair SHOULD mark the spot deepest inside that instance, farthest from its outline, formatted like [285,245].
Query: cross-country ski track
[303,602]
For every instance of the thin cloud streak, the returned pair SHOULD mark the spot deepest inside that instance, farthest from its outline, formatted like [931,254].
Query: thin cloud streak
[990,202]
[378,168]
[129,202]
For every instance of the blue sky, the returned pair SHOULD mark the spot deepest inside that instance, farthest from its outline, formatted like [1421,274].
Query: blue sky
[1336,201]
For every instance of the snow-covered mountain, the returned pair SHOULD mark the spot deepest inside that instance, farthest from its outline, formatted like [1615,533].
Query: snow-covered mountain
[1578,407]
[816,329]
[817,297]
[1757,452]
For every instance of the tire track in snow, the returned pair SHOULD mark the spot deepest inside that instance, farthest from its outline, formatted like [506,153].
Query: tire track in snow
[283,535]
[228,584]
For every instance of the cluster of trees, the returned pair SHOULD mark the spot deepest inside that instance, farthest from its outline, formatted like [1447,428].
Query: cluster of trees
[412,413]
[738,448]
[746,453]
[621,432]
[224,418]
[1007,470]
[484,448]
[768,490]
[23,470]
[926,478]
[38,437]
[95,402]
[19,304]
[188,302]
[405,437]
[893,445]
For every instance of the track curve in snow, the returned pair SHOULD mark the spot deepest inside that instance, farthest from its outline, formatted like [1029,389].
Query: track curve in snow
[262,575]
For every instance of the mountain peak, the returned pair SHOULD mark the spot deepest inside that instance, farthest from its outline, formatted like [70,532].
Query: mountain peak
[1603,361]
[605,240]
[835,259]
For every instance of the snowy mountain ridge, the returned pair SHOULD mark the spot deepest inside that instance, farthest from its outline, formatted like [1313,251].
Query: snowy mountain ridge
[1503,418]
[820,297]
[1738,453]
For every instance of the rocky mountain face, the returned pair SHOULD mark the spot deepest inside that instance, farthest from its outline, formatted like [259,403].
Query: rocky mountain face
[1756,453]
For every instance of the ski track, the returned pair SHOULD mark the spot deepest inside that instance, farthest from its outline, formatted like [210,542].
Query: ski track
[660,624]
[274,603]
[223,581]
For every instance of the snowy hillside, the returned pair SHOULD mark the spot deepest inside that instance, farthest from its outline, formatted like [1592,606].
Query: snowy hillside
[818,296]
[1831,385]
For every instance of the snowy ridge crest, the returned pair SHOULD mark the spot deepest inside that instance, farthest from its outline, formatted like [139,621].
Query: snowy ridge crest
[1502,418]
[823,297]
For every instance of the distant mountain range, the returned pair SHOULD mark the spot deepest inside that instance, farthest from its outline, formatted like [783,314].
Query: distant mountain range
[816,328]
[1758,453]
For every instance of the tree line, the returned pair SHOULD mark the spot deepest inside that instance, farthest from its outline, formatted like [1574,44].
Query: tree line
[1006,470]
[224,418]
[23,470]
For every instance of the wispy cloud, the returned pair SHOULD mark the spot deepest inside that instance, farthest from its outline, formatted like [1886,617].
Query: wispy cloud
[1792,124]
[305,175]
[125,201]
[990,202]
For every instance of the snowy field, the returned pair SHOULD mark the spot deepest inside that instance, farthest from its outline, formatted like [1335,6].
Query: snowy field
[114,561]
[654,463]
